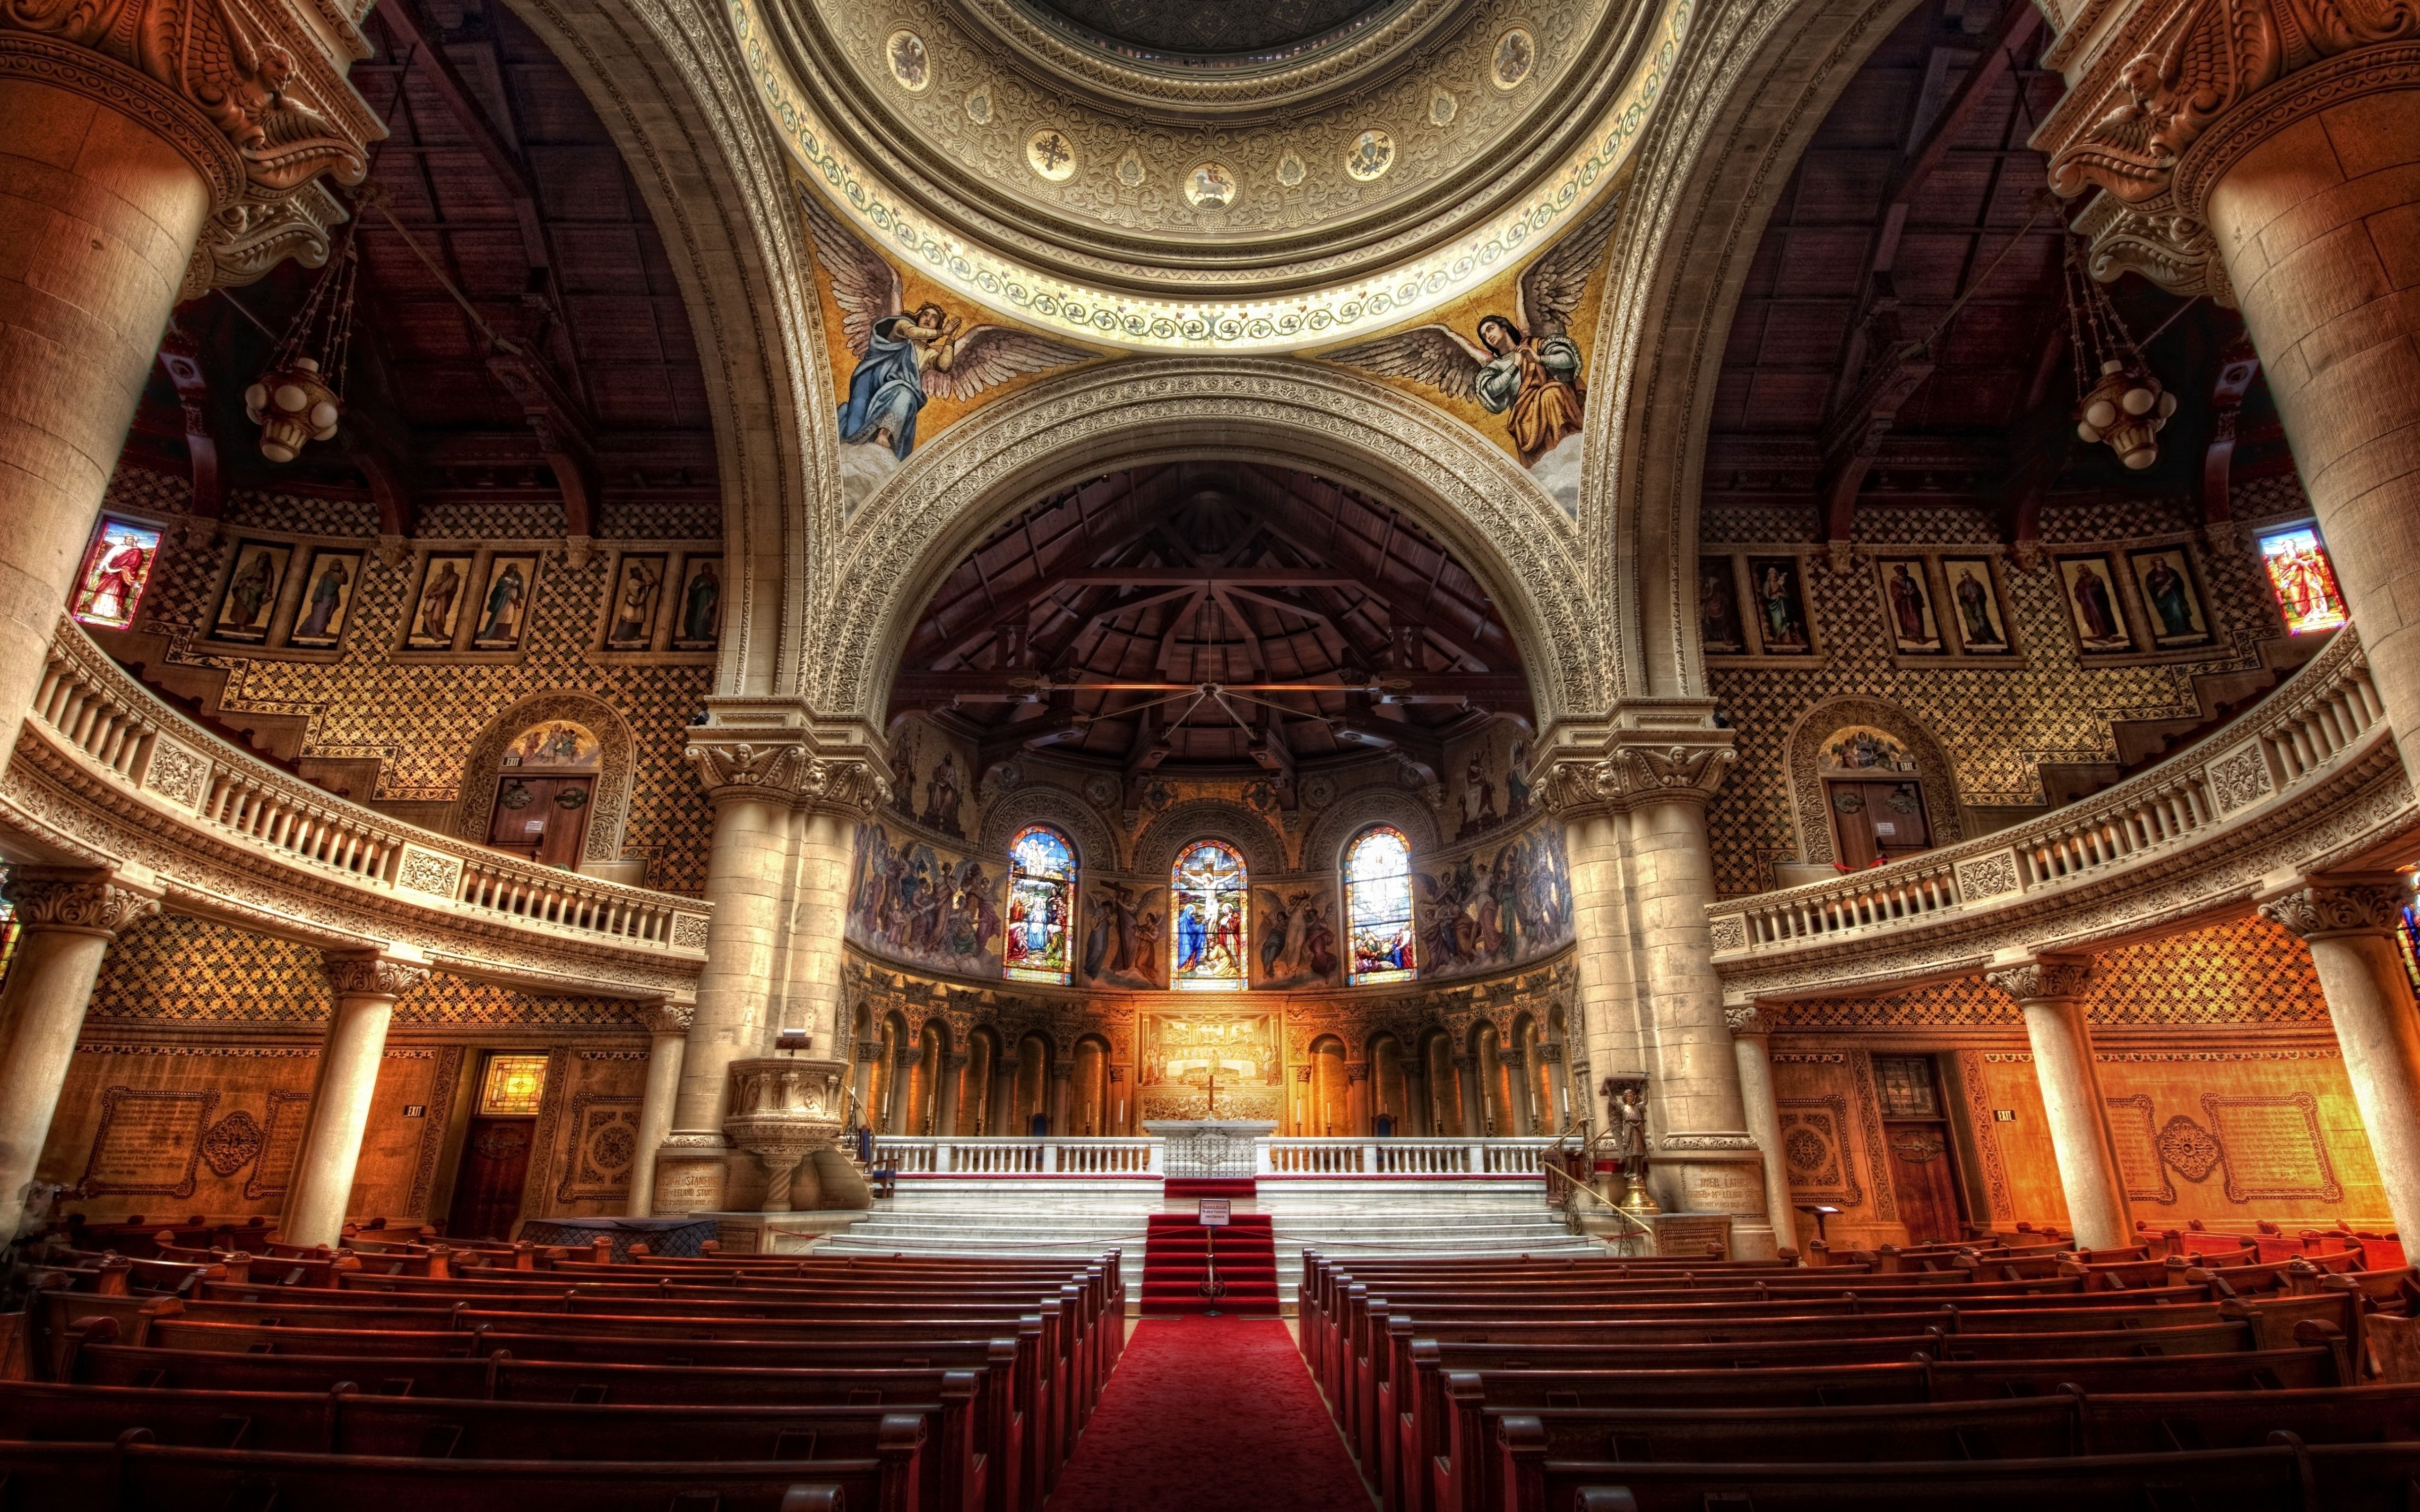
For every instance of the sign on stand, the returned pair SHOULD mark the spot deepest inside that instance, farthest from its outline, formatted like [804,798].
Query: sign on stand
[1215,1212]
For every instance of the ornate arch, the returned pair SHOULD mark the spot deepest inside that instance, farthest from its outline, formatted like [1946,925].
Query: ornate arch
[671,86]
[1096,847]
[1323,850]
[609,811]
[1156,848]
[1287,413]
[1804,755]
[1752,85]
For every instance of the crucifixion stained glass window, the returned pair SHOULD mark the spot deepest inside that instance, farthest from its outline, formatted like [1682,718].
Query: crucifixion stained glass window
[1206,901]
[1378,905]
[1041,905]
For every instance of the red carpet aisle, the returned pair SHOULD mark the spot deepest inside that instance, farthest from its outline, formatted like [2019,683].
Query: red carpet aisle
[1210,1414]
[1174,1258]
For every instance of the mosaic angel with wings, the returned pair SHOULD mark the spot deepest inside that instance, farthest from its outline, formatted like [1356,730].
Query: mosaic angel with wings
[906,357]
[1524,366]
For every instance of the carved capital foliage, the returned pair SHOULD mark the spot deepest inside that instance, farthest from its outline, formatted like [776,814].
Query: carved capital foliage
[241,242]
[1356,1070]
[1549,1053]
[2324,910]
[2156,240]
[373,976]
[669,1017]
[869,1050]
[789,772]
[1747,1021]
[274,109]
[2049,977]
[94,905]
[1633,773]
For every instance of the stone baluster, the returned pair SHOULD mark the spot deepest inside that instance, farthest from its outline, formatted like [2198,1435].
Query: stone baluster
[2047,990]
[66,920]
[321,1188]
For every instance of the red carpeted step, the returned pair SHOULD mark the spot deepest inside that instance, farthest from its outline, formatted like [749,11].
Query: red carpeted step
[1192,1188]
[1175,1257]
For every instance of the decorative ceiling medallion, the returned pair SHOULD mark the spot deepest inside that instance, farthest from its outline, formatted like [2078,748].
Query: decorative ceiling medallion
[1209,187]
[1049,153]
[910,65]
[1514,59]
[1442,106]
[1372,154]
[1130,171]
[979,106]
[1290,170]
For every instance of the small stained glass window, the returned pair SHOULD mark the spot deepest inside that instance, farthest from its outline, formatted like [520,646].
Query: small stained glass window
[1907,1087]
[1379,904]
[2304,580]
[117,568]
[514,1085]
[1207,900]
[1040,907]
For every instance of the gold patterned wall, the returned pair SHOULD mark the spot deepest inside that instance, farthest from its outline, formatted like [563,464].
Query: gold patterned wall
[389,726]
[1996,716]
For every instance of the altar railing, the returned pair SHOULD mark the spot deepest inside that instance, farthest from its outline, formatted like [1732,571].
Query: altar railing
[1148,1156]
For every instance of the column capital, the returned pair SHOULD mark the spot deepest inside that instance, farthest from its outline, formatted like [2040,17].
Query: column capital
[1063,1071]
[869,1048]
[1356,1070]
[1628,768]
[1464,1060]
[2165,96]
[1748,1022]
[669,1017]
[955,1060]
[1550,1052]
[788,765]
[2326,907]
[2043,977]
[373,976]
[253,96]
[81,902]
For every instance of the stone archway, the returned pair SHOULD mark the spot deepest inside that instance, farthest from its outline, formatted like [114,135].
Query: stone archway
[1803,754]
[609,813]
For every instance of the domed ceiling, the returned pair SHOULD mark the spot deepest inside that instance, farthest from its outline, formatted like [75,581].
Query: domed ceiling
[1158,175]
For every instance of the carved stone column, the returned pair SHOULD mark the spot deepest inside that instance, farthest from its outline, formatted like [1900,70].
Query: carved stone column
[668,1027]
[907,1054]
[785,817]
[367,987]
[1642,874]
[1752,1048]
[2046,990]
[1467,1091]
[1062,1078]
[66,922]
[1357,1097]
[2269,153]
[1558,1087]
[2349,923]
[1117,1118]
[866,1052]
[1000,1116]
[148,150]
[950,1086]
[1418,1114]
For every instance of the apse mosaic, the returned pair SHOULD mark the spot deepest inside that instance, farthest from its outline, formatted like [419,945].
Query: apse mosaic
[1487,781]
[1508,359]
[910,357]
[1490,910]
[913,902]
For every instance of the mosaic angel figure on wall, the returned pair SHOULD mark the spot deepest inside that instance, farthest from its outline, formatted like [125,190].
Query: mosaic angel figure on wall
[906,357]
[1524,366]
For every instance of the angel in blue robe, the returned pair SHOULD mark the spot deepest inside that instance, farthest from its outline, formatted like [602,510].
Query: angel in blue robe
[887,387]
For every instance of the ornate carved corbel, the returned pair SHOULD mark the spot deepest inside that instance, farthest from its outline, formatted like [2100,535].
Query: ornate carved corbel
[669,1017]
[2328,907]
[1752,1020]
[81,902]
[2044,977]
[373,976]
[789,772]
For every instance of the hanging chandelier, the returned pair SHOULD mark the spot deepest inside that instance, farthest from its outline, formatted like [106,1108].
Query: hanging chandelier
[299,397]
[2125,405]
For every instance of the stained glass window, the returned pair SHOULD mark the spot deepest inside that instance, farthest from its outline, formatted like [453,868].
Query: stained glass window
[2304,580]
[1041,905]
[514,1084]
[117,568]
[1378,905]
[1206,903]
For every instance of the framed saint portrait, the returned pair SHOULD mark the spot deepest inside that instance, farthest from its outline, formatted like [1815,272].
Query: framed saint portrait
[504,603]
[697,612]
[1719,630]
[2089,587]
[1777,602]
[248,600]
[2171,596]
[637,602]
[437,609]
[329,584]
[1908,609]
[1971,598]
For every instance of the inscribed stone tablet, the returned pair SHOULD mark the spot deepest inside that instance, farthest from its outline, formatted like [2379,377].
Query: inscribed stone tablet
[149,1141]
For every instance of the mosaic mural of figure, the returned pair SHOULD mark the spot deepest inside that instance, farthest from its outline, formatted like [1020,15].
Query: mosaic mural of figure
[1485,912]
[914,904]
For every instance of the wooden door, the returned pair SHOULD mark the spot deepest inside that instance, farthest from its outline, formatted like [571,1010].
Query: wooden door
[1877,820]
[1924,1178]
[544,819]
[495,1167]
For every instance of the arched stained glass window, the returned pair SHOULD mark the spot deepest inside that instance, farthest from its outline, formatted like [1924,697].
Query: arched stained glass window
[1378,905]
[1041,905]
[1206,903]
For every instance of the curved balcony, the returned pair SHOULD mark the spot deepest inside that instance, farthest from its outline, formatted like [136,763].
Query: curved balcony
[2308,781]
[107,774]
